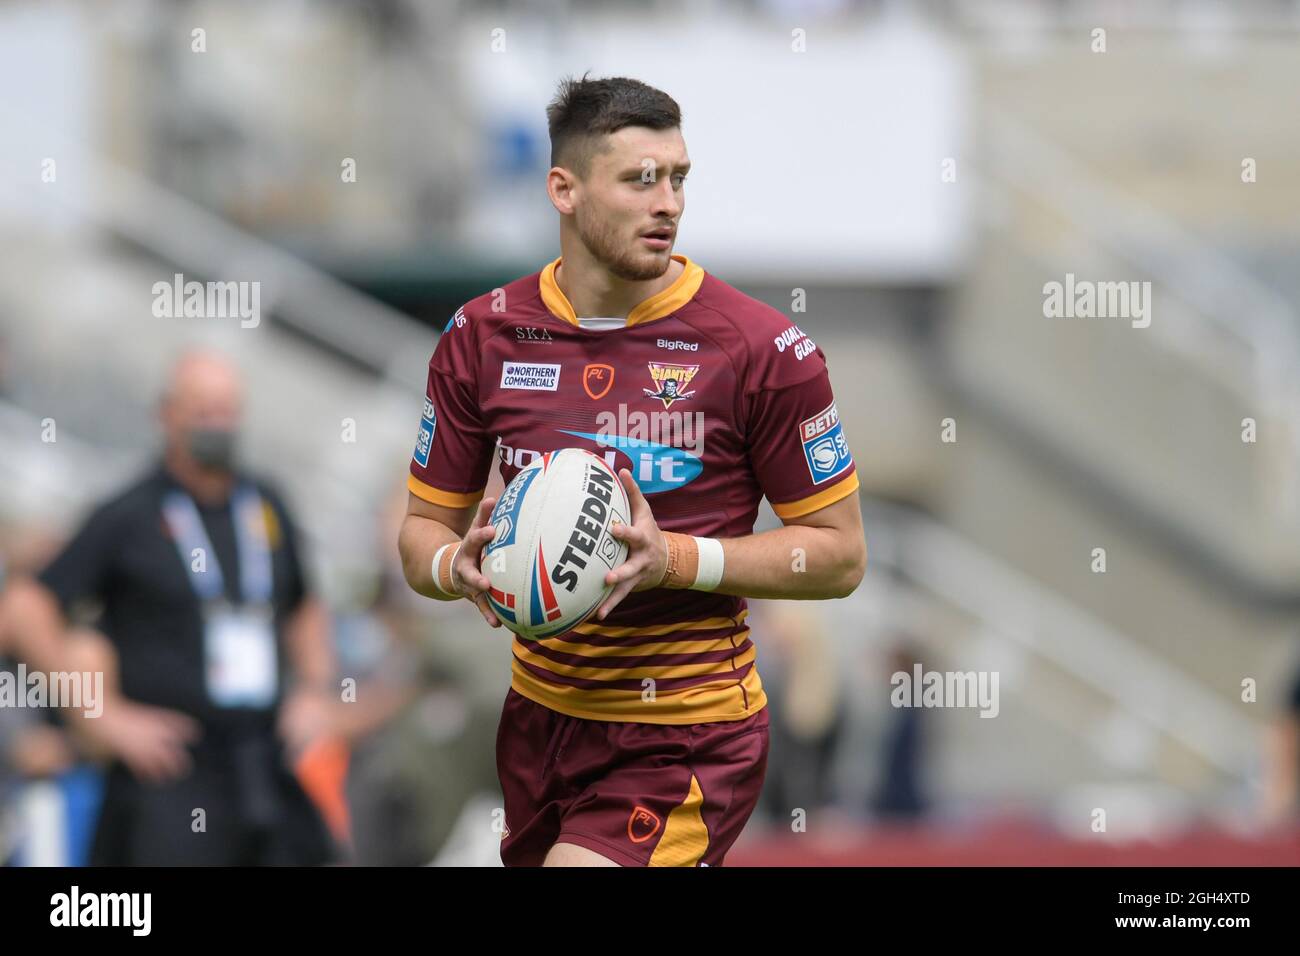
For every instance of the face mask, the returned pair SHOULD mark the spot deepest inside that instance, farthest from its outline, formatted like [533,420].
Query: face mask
[212,448]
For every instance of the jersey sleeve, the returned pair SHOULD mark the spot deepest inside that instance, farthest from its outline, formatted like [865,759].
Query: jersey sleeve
[453,454]
[795,438]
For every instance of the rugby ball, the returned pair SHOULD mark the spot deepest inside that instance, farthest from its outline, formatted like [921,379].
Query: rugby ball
[552,548]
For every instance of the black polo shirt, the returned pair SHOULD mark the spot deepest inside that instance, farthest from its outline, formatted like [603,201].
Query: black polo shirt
[124,559]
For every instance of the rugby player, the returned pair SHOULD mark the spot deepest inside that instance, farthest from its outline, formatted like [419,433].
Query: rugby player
[639,737]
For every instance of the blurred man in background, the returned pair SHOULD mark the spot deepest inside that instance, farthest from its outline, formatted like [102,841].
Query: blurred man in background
[216,661]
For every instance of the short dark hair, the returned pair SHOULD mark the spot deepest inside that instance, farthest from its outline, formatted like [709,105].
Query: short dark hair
[584,110]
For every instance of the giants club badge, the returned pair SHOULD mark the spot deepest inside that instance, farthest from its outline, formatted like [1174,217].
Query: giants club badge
[671,382]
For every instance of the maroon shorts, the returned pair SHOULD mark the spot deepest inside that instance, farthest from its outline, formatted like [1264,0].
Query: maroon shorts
[639,794]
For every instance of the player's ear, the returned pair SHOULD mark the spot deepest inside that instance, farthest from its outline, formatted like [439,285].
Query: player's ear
[560,186]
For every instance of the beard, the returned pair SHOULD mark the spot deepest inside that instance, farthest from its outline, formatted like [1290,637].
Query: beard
[603,242]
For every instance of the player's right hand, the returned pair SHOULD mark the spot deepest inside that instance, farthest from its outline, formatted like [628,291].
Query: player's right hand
[466,576]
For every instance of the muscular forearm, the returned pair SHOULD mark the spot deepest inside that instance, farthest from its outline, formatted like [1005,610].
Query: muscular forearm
[418,541]
[795,562]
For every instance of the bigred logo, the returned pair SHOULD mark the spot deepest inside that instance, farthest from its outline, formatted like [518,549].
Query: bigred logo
[597,380]
[642,825]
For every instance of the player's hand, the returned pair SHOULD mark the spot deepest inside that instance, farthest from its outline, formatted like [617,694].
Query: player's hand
[467,578]
[647,555]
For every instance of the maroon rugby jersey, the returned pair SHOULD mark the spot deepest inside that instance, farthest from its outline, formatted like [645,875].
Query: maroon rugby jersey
[712,399]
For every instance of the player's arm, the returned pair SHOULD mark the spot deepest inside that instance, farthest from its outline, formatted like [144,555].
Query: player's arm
[819,555]
[446,525]
[441,547]
[814,557]
[800,457]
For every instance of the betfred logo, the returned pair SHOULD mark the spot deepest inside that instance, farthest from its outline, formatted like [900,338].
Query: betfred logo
[825,449]
[819,424]
[642,824]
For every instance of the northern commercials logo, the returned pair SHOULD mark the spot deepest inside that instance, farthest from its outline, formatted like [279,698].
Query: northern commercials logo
[532,377]
[825,448]
[671,382]
[1085,299]
[424,440]
[179,299]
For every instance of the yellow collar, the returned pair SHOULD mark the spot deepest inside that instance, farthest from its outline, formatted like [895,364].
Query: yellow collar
[657,306]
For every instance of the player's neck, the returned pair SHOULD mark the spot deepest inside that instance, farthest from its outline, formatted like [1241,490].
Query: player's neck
[596,293]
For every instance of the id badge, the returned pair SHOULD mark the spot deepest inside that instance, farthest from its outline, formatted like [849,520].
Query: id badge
[240,656]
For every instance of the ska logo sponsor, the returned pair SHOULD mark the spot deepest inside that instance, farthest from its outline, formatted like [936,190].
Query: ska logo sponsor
[530,376]
[457,320]
[642,824]
[528,333]
[795,336]
[677,345]
[424,440]
[671,382]
[597,380]
[824,446]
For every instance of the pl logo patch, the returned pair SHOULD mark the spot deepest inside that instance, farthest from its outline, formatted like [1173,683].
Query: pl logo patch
[824,446]
[597,380]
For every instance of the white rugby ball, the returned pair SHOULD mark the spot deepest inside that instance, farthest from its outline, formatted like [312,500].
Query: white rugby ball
[552,549]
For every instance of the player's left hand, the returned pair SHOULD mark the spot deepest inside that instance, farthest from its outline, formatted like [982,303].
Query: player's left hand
[647,555]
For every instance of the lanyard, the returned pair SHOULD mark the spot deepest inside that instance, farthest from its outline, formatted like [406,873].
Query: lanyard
[254,552]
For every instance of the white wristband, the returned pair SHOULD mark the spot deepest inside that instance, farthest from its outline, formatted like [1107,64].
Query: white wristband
[437,577]
[709,574]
